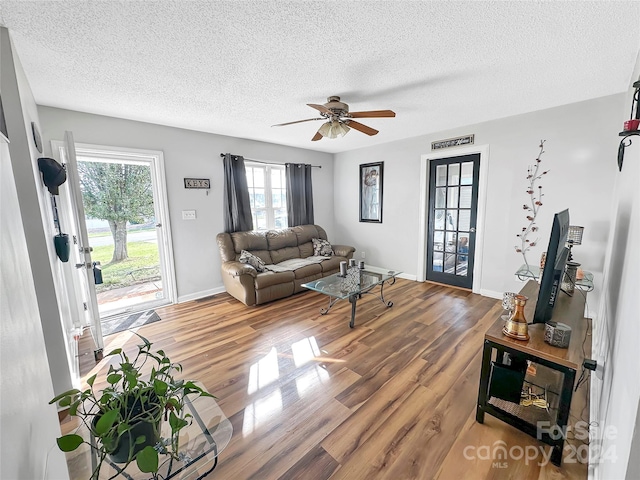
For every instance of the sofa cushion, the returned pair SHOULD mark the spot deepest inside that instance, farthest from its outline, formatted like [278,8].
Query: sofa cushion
[278,239]
[306,249]
[268,279]
[306,232]
[283,254]
[332,264]
[308,271]
[250,259]
[321,247]
[249,241]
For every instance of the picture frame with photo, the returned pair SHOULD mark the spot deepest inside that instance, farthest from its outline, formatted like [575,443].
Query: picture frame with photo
[371,181]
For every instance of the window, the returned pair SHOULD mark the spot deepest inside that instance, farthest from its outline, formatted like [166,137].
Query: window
[268,194]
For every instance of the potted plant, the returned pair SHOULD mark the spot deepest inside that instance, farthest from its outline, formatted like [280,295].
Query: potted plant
[125,416]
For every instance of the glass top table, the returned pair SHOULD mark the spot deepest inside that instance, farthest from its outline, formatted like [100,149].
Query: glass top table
[352,286]
[533,272]
[200,445]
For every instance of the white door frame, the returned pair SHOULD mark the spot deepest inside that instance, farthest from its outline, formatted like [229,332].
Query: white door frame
[155,158]
[423,224]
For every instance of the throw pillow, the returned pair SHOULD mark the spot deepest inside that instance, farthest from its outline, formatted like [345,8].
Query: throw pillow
[321,247]
[250,259]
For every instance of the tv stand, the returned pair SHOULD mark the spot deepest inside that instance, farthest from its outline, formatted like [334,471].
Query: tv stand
[555,371]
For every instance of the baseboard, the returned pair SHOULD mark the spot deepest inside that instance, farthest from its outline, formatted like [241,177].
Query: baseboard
[202,294]
[374,269]
[406,276]
[490,294]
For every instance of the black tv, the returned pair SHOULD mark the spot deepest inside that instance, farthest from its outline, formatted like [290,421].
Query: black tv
[557,254]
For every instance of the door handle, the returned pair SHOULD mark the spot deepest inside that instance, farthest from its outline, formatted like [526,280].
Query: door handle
[158,225]
[472,230]
[84,265]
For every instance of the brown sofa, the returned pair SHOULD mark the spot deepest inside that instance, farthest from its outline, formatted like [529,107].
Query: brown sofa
[274,246]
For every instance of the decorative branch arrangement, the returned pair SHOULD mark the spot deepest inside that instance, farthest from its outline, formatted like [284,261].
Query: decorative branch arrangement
[535,200]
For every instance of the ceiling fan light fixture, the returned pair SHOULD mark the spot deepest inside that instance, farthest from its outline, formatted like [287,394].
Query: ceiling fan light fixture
[333,129]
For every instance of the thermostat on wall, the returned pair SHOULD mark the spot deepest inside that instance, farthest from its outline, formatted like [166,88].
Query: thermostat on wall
[197,183]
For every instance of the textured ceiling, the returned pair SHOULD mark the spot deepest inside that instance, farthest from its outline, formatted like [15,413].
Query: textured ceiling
[238,67]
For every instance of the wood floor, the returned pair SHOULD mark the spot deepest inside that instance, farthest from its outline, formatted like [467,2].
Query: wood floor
[309,398]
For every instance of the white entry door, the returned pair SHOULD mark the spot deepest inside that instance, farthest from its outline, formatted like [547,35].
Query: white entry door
[120,209]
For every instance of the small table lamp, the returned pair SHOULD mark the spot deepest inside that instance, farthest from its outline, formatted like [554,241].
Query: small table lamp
[574,237]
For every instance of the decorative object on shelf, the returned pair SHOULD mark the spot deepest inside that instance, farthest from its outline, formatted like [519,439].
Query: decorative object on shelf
[352,280]
[557,334]
[569,277]
[343,268]
[535,202]
[508,302]
[201,183]
[543,260]
[371,177]
[516,327]
[124,417]
[574,237]
[631,125]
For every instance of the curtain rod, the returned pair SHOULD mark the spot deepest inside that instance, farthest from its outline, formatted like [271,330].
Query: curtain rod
[266,163]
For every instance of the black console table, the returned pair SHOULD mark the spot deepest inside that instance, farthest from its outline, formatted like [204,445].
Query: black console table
[551,369]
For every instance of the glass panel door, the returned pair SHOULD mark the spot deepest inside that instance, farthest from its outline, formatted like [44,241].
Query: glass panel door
[125,220]
[123,230]
[453,198]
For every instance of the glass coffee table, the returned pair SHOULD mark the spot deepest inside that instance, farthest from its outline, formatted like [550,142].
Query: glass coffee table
[352,286]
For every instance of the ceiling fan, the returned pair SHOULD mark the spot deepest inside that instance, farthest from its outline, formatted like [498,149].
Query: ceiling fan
[339,119]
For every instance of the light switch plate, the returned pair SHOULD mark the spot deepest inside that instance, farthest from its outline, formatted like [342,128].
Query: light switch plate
[197,183]
[188,214]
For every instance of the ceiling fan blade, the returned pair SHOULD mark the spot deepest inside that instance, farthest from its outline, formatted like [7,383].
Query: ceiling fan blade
[320,108]
[316,137]
[362,128]
[298,121]
[372,114]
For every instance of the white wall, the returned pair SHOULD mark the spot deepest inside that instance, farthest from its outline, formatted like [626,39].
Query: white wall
[615,389]
[189,153]
[581,146]
[35,208]
[29,424]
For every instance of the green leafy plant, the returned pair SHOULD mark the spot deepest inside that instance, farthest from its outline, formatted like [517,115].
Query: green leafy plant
[130,409]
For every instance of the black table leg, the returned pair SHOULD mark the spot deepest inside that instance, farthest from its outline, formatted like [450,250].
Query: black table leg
[484,382]
[353,299]
[563,414]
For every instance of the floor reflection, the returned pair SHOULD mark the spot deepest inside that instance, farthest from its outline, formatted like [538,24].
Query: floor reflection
[263,372]
[279,379]
[261,411]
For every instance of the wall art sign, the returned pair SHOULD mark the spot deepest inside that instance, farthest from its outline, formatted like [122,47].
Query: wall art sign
[197,183]
[452,142]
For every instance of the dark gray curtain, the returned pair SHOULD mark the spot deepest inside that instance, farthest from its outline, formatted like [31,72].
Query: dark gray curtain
[237,206]
[299,194]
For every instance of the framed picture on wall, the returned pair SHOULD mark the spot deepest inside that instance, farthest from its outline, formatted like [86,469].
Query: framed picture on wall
[371,192]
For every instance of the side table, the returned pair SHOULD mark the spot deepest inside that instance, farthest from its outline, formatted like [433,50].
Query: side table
[555,372]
